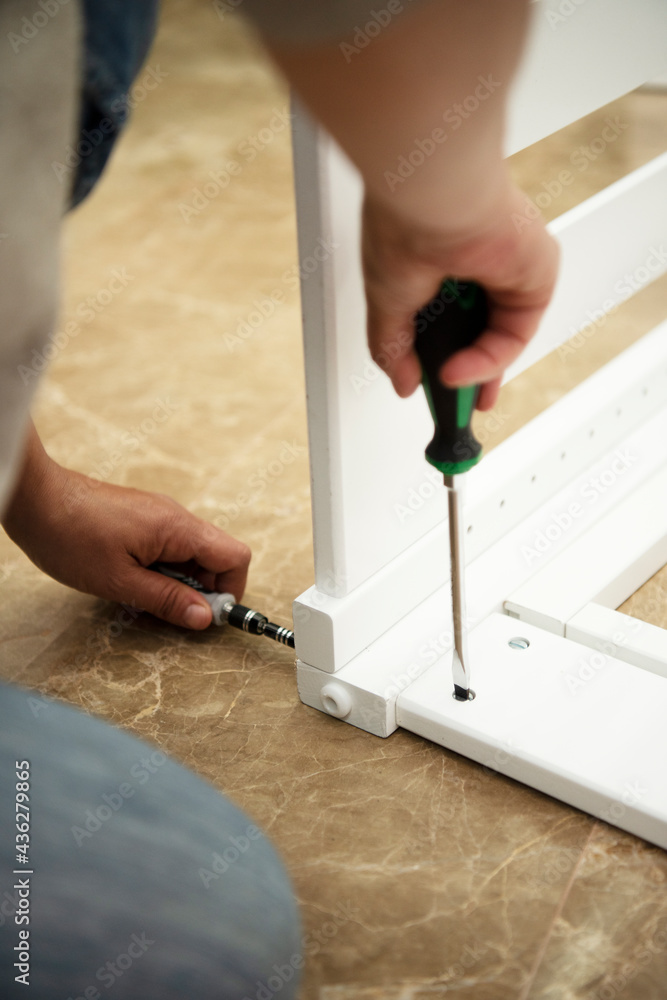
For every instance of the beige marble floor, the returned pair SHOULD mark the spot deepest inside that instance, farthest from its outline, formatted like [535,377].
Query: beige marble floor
[446,879]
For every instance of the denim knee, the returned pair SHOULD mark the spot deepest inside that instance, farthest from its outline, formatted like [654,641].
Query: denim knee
[144,878]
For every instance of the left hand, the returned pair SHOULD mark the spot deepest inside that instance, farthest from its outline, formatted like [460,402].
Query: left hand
[99,538]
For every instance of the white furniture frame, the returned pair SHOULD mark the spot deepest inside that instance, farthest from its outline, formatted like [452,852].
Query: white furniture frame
[565,519]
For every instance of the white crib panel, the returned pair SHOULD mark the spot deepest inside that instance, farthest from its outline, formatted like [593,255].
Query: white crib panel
[366,445]
[582,54]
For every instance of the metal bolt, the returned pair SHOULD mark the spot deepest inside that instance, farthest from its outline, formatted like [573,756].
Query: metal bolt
[471,696]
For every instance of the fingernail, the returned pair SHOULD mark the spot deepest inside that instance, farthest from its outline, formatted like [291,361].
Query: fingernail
[457,383]
[196,616]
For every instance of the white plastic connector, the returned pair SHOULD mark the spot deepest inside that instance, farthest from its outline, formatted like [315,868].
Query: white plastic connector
[336,700]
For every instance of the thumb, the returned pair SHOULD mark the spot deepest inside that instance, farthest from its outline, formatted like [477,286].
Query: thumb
[168,599]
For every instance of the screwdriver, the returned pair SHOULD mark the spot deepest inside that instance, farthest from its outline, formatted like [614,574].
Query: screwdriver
[227,611]
[452,320]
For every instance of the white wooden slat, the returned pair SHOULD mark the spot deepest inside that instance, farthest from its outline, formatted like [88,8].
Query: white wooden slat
[594,740]
[613,245]
[606,564]
[310,150]
[582,54]
[567,440]
[365,443]
[615,634]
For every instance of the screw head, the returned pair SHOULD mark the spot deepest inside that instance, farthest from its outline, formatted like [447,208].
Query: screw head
[518,643]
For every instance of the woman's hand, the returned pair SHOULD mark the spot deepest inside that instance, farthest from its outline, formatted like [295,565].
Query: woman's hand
[99,538]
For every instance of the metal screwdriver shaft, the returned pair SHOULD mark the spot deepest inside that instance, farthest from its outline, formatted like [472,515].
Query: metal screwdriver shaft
[227,612]
[452,320]
[460,666]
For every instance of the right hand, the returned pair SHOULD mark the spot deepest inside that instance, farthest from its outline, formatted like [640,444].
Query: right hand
[405,264]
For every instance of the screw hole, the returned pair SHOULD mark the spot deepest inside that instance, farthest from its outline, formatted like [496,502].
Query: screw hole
[645,391]
[502,503]
[562,455]
[469,528]
[518,643]
[336,700]
[533,478]
[591,432]
[618,412]
[330,704]
[471,696]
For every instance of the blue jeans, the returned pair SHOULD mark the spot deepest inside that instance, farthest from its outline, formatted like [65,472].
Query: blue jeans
[144,878]
[117,35]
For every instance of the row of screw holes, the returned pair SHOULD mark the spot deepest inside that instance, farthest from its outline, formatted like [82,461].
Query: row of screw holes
[591,433]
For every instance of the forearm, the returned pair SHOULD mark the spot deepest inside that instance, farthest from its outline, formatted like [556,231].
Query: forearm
[398,97]
[33,482]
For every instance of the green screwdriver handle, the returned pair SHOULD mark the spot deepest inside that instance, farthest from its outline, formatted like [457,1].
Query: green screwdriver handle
[452,320]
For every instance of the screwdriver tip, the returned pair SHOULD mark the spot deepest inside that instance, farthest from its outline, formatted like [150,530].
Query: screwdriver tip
[460,693]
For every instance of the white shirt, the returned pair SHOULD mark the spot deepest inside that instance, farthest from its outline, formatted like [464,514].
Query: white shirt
[39,106]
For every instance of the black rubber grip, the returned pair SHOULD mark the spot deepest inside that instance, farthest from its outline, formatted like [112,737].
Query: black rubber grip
[452,320]
[247,620]
[279,633]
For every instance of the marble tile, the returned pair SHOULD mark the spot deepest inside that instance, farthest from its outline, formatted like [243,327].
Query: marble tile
[420,875]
